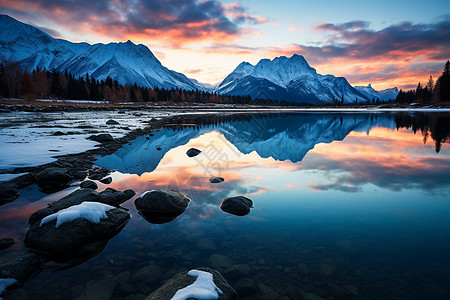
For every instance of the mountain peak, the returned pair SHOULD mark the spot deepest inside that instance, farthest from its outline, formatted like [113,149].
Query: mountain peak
[369,85]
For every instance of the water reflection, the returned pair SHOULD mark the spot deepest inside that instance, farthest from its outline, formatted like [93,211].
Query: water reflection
[346,206]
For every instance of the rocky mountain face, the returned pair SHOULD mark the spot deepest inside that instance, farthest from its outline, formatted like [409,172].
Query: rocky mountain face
[291,79]
[125,62]
[382,95]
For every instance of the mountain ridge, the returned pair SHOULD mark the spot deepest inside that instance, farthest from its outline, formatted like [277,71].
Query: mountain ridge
[129,63]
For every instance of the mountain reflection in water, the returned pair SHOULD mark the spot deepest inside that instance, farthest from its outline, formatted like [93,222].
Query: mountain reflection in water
[346,206]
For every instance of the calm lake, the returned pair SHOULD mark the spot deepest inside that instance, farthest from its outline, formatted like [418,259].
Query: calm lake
[346,206]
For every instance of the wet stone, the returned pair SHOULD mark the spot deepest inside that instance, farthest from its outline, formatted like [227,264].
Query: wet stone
[106,180]
[8,192]
[220,262]
[6,243]
[88,184]
[193,152]
[215,179]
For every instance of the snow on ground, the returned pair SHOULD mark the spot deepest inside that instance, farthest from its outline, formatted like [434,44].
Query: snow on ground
[202,288]
[90,211]
[28,139]
[5,283]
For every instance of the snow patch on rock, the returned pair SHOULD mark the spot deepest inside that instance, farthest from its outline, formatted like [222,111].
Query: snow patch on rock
[5,283]
[90,211]
[203,287]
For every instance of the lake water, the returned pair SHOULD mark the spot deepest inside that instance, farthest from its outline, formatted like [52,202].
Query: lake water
[346,206]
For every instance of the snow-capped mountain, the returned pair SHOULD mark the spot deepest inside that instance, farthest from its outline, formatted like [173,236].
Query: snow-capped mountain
[124,62]
[371,93]
[291,79]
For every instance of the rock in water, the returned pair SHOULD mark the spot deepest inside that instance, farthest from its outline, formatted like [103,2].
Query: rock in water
[8,192]
[53,177]
[62,237]
[108,196]
[101,138]
[183,280]
[239,206]
[166,202]
[193,152]
[88,184]
[112,122]
[106,180]
[215,179]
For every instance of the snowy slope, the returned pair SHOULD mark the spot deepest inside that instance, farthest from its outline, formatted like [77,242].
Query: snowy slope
[290,79]
[371,93]
[124,62]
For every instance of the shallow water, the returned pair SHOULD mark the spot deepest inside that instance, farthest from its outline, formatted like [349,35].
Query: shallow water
[346,206]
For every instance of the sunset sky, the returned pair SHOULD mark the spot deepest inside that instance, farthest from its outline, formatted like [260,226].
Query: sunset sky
[386,43]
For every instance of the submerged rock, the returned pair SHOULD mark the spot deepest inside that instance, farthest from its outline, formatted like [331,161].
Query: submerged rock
[53,178]
[19,265]
[215,179]
[88,184]
[108,196]
[193,152]
[101,138]
[163,202]
[239,206]
[6,243]
[8,192]
[75,226]
[182,280]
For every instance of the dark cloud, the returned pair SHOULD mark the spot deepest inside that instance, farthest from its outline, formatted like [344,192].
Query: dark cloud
[400,41]
[190,18]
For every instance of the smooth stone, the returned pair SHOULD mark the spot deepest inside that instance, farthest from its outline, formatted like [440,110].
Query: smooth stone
[239,206]
[71,236]
[237,271]
[182,280]
[52,177]
[8,192]
[6,243]
[99,289]
[149,274]
[193,152]
[215,179]
[219,261]
[168,202]
[88,184]
[101,138]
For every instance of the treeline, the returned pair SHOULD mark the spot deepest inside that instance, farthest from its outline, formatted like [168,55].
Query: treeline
[52,84]
[431,93]
[432,125]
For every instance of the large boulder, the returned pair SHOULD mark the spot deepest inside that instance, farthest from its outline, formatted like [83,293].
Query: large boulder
[51,178]
[193,152]
[97,173]
[186,280]
[8,192]
[239,206]
[163,202]
[71,228]
[112,122]
[108,196]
